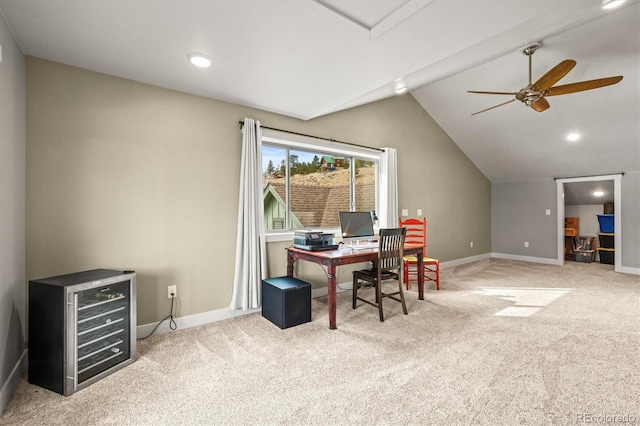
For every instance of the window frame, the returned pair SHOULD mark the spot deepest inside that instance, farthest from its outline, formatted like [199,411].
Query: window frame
[290,141]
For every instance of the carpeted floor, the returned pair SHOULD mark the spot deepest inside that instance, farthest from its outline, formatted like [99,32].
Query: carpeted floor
[502,343]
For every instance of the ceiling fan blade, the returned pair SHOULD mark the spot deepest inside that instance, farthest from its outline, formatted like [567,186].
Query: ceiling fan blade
[554,74]
[540,105]
[493,93]
[582,85]
[495,106]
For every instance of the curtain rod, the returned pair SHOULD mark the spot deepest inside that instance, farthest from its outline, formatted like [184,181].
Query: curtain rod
[316,137]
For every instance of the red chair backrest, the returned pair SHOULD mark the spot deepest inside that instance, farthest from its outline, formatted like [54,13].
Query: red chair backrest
[416,230]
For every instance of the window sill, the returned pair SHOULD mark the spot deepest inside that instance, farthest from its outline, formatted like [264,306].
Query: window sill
[273,237]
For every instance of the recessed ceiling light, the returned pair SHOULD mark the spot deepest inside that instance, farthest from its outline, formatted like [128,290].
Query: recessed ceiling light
[572,137]
[200,60]
[598,193]
[610,4]
[399,86]
[400,90]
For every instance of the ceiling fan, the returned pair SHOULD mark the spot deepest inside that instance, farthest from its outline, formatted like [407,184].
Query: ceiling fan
[533,95]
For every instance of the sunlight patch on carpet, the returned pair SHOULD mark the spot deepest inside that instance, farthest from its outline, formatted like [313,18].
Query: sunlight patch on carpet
[527,300]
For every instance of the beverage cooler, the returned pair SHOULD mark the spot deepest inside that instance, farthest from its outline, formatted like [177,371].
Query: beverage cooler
[81,328]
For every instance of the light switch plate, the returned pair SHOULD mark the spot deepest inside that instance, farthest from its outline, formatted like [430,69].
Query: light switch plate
[419,212]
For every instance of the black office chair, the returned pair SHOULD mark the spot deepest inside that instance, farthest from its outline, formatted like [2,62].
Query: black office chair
[387,267]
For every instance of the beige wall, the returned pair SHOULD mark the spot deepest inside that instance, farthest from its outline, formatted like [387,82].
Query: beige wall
[126,175]
[12,215]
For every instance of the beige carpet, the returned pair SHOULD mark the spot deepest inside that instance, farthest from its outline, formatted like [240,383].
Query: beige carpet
[451,361]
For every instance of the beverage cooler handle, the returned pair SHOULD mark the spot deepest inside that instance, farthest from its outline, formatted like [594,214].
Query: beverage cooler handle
[71,352]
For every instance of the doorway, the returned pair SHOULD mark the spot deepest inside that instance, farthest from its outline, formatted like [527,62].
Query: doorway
[617,201]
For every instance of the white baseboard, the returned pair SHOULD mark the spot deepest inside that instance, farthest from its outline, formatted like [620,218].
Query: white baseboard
[323,291]
[544,260]
[464,260]
[621,269]
[10,385]
[629,270]
[192,321]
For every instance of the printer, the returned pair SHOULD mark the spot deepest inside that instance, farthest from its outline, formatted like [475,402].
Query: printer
[313,240]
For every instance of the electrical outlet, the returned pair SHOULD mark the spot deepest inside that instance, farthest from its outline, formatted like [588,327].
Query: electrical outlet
[526,243]
[405,212]
[419,212]
[172,290]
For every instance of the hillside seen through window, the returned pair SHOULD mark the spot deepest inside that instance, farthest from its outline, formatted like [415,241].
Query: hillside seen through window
[306,189]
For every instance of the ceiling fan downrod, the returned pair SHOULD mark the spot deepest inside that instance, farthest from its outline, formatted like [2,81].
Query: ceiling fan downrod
[529,51]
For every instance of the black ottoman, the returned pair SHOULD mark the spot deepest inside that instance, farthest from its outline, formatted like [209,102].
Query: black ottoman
[286,301]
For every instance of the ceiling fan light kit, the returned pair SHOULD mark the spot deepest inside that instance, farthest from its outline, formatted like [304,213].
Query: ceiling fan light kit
[533,95]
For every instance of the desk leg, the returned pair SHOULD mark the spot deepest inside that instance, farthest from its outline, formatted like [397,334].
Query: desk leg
[420,276]
[290,261]
[331,292]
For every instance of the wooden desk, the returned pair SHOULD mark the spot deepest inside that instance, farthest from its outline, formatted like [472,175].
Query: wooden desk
[333,258]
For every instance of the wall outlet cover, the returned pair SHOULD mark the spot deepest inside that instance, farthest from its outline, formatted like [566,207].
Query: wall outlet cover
[172,289]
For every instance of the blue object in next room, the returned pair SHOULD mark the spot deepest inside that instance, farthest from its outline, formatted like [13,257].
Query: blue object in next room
[606,223]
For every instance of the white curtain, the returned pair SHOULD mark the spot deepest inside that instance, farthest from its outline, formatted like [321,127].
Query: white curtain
[388,181]
[251,262]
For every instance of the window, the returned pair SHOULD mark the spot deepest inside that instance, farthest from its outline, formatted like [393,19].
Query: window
[306,183]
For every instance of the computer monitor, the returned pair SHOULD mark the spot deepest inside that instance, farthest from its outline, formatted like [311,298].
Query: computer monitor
[356,225]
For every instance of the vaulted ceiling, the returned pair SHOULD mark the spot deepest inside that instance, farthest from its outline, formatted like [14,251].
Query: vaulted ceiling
[308,58]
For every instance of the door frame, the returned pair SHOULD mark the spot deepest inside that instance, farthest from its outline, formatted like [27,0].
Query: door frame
[617,211]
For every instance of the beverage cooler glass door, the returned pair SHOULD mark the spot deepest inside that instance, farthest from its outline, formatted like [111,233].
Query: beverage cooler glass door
[101,332]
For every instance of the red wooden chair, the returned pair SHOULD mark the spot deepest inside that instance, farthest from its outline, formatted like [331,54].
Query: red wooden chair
[417,233]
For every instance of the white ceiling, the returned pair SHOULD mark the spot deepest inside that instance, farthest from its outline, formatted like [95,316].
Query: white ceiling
[306,58]
[581,193]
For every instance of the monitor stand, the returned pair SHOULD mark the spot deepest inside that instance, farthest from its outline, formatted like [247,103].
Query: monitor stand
[361,242]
